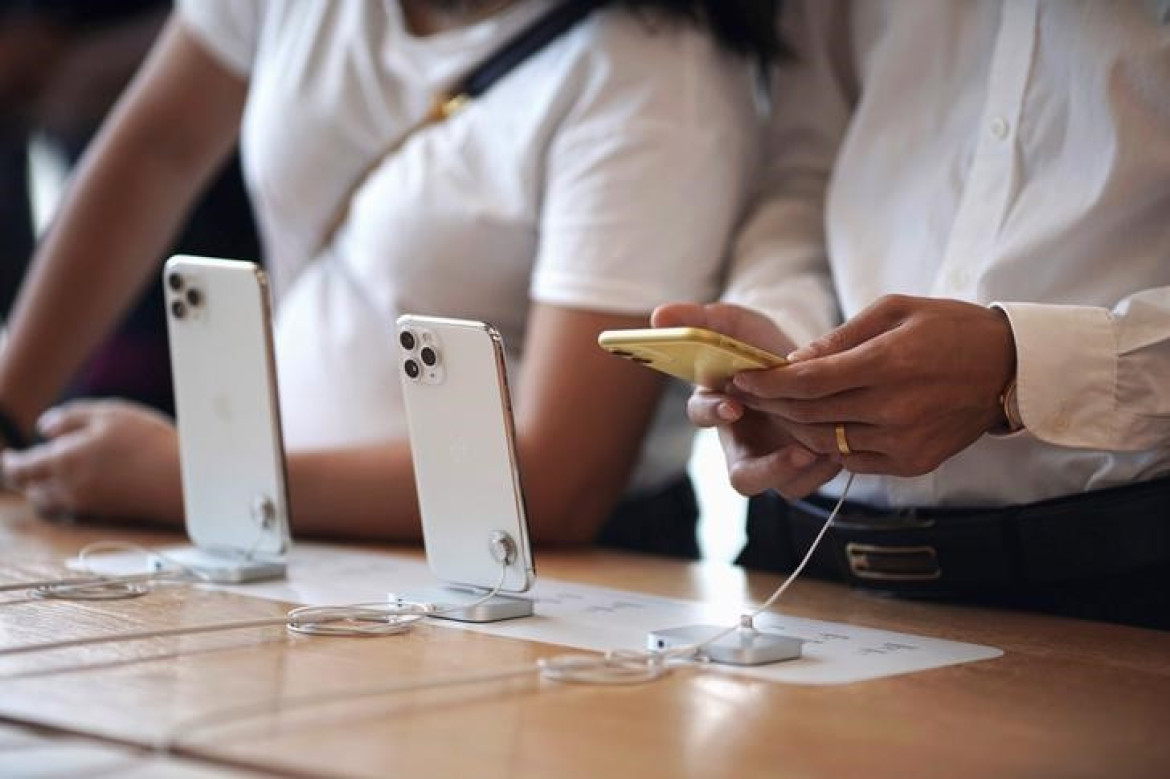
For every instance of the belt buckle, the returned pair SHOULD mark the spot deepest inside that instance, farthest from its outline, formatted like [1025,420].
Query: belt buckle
[893,563]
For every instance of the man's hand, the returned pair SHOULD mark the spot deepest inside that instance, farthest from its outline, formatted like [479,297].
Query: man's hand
[914,380]
[761,454]
[101,458]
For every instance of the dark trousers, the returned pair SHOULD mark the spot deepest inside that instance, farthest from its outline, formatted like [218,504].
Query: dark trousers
[1139,597]
[663,522]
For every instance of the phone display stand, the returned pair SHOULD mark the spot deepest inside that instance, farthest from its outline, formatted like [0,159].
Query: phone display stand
[744,646]
[227,566]
[446,599]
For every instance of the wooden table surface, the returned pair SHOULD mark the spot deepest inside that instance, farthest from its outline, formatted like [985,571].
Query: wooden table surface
[32,753]
[1068,698]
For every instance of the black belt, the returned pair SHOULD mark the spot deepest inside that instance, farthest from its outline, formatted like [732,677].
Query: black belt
[954,551]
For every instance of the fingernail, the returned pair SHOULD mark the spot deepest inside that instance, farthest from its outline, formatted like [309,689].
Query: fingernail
[727,412]
[801,458]
[48,420]
[803,353]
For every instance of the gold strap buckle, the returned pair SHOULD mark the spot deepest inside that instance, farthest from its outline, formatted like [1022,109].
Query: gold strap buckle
[893,563]
[446,106]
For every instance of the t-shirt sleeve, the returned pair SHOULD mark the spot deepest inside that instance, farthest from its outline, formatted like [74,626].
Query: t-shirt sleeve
[228,29]
[648,172]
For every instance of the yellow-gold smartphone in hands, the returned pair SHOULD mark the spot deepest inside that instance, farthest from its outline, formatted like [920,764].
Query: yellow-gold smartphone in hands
[702,357]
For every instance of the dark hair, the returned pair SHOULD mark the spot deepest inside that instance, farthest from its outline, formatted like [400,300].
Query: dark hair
[743,26]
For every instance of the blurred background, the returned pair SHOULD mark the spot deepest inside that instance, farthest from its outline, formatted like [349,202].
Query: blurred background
[63,64]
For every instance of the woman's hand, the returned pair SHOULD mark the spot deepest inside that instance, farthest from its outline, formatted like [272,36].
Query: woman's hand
[913,380]
[761,453]
[104,458]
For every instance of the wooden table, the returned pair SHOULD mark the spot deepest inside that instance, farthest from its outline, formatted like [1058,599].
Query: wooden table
[1068,698]
[33,753]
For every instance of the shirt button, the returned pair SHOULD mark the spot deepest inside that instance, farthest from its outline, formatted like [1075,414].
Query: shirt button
[1000,128]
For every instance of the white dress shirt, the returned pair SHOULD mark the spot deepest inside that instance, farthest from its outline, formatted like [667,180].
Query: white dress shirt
[1013,153]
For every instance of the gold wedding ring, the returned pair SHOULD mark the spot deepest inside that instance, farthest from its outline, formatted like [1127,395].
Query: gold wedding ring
[842,441]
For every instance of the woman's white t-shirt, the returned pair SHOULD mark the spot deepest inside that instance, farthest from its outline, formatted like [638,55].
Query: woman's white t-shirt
[606,173]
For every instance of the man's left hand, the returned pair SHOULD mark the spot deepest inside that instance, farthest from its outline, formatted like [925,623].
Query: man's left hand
[913,380]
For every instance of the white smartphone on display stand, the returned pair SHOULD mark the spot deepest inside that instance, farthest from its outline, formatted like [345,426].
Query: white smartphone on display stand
[235,501]
[463,446]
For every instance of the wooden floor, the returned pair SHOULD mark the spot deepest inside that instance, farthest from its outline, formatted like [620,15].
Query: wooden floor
[1067,699]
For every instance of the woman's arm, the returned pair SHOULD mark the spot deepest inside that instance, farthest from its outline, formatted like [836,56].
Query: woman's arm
[165,139]
[581,420]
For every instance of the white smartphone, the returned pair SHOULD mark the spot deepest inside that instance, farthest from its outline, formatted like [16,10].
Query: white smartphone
[234,496]
[463,445]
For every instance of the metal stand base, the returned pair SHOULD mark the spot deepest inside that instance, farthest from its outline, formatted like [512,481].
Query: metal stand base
[219,567]
[448,597]
[744,646]
[226,567]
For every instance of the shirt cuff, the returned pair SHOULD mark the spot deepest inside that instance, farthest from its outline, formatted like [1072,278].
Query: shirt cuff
[1066,372]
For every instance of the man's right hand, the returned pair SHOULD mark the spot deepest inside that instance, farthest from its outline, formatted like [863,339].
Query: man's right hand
[760,454]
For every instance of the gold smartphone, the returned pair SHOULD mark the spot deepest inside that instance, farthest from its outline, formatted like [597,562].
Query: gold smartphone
[702,357]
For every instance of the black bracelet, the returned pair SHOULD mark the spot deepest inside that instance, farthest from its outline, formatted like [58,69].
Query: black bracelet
[10,432]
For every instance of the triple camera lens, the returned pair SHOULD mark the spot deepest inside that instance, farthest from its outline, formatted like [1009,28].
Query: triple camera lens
[193,297]
[427,354]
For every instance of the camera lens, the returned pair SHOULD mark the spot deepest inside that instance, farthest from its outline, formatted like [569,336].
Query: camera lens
[179,309]
[175,281]
[429,356]
[194,297]
[406,338]
[412,369]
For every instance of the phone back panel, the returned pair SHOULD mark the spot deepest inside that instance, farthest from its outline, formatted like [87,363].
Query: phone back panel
[463,447]
[692,354]
[219,323]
